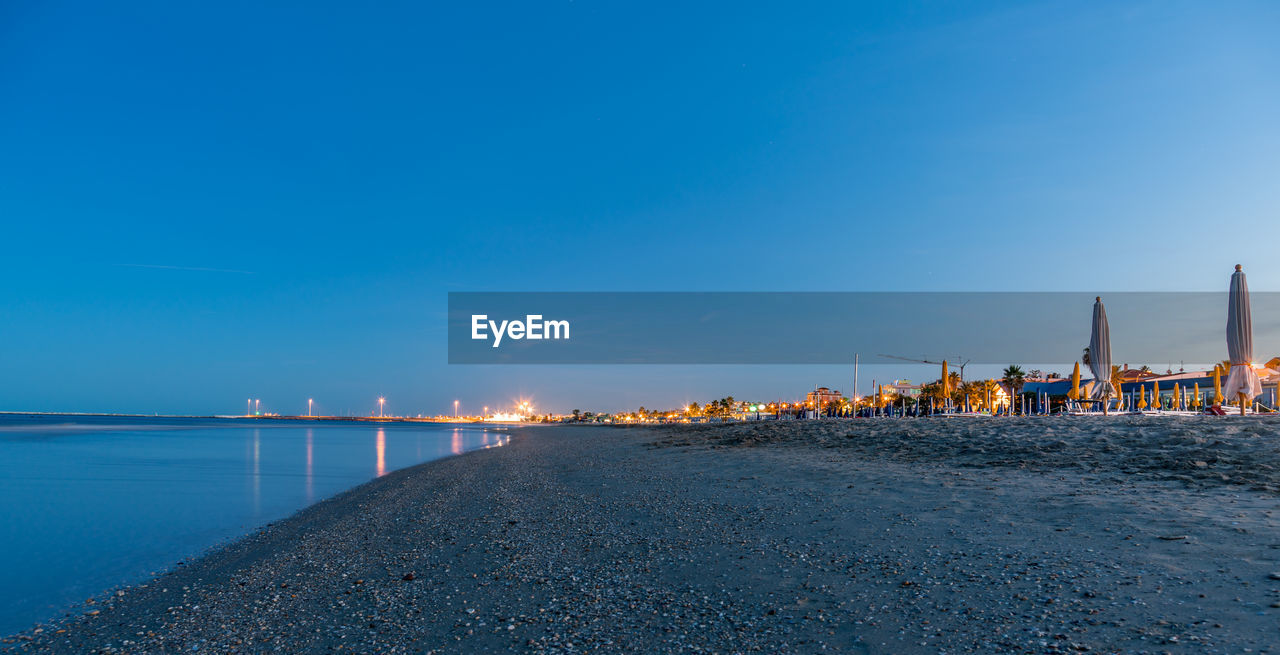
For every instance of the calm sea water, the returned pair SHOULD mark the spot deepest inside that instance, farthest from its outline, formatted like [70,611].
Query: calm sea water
[90,503]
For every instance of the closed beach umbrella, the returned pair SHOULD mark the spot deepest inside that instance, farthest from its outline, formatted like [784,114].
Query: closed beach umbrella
[1075,383]
[1177,396]
[1242,381]
[1217,384]
[990,410]
[1142,397]
[1155,394]
[1195,402]
[946,383]
[1100,355]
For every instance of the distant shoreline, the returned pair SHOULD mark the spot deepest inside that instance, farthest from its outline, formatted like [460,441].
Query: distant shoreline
[345,419]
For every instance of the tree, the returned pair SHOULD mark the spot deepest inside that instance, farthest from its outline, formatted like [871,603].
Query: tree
[1084,358]
[720,408]
[990,386]
[1014,378]
[931,391]
[974,390]
[577,415]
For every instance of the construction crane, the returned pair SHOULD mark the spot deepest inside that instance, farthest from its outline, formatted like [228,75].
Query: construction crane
[959,365]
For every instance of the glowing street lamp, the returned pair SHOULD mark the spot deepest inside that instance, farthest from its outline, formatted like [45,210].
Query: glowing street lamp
[382,402]
[309,407]
[455,409]
[486,412]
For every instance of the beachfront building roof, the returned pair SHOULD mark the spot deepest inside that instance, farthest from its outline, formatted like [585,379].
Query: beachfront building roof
[904,388]
[821,396]
[1135,375]
[1054,387]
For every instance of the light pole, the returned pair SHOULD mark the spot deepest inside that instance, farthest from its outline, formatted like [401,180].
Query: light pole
[309,401]
[455,409]
[248,407]
[257,406]
[381,403]
[486,412]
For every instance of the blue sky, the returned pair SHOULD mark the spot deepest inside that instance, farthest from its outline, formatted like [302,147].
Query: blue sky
[207,203]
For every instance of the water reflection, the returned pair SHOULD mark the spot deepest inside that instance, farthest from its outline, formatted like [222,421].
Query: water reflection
[382,452]
[257,472]
[105,501]
[311,486]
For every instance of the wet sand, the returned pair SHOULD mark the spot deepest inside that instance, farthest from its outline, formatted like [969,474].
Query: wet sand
[576,539]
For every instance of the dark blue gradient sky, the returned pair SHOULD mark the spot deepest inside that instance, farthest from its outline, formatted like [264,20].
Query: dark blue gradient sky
[202,204]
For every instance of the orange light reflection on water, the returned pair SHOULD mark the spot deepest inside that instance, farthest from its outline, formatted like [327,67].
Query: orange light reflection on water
[311,489]
[381,447]
[257,471]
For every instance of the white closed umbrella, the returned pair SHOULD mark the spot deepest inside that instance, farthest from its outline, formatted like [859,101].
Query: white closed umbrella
[1100,354]
[1242,381]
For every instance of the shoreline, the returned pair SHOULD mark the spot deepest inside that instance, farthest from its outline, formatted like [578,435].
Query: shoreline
[570,539]
[229,417]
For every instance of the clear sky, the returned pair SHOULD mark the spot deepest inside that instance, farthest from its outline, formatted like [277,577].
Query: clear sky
[204,202]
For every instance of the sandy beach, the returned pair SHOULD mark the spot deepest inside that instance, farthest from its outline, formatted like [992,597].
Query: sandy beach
[867,536]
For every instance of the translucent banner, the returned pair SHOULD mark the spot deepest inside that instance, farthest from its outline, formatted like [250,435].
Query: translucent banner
[830,327]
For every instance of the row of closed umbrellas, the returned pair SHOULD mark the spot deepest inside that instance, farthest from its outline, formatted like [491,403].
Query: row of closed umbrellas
[1242,381]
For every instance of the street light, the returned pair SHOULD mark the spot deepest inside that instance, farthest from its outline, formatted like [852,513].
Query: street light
[309,407]
[381,403]
[455,409]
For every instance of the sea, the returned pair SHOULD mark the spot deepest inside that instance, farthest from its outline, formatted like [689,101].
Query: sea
[91,503]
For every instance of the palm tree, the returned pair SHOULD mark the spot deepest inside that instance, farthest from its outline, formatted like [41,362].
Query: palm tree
[973,390]
[932,390]
[1014,378]
[577,414]
[989,386]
